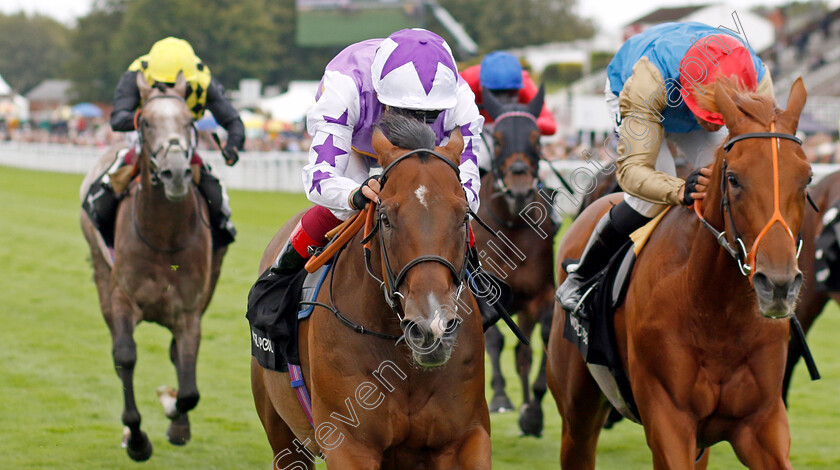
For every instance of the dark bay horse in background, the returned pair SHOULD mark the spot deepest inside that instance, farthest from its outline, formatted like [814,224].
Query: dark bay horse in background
[416,404]
[704,346]
[164,269]
[522,255]
[825,194]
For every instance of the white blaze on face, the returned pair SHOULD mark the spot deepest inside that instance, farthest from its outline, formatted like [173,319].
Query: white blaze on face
[420,192]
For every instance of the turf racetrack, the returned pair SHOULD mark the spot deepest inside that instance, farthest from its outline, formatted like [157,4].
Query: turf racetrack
[60,400]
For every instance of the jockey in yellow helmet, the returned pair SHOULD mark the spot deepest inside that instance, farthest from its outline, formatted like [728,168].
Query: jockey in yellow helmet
[161,66]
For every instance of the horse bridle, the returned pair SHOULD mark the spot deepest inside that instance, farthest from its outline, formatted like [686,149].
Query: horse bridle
[495,163]
[153,165]
[744,258]
[391,283]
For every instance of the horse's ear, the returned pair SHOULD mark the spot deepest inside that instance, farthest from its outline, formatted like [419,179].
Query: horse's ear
[181,85]
[726,105]
[143,86]
[491,104]
[536,105]
[796,101]
[383,147]
[455,146]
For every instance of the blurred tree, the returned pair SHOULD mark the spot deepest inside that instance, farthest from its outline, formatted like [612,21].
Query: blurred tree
[34,48]
[236,38]
[503,24]
[93,65]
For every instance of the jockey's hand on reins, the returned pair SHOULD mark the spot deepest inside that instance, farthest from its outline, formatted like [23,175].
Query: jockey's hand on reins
[695,185]
[368,191]
[231,155]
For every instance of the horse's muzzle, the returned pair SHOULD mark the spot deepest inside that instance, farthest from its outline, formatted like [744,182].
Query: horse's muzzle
[777,294]
[430,342]
[176,182]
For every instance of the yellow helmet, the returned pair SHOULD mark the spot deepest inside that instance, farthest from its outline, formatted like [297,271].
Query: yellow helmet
[168,57]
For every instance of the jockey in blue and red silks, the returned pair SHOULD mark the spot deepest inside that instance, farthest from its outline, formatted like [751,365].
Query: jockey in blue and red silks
[411,72]
[661,84]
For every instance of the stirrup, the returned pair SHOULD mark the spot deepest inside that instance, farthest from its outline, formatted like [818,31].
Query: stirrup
[578,311]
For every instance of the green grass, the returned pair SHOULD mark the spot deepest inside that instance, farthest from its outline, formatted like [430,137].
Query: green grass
[60,399]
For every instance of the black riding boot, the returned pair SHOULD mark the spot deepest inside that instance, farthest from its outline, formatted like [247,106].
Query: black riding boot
[219,210]
[289,261]
[101,201]
[609,235]
[101,206]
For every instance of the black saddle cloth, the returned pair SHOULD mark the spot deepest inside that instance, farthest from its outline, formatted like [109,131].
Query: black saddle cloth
[593,331]
[273,315]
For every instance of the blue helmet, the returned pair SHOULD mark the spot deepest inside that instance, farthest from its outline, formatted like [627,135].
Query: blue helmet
[500,71]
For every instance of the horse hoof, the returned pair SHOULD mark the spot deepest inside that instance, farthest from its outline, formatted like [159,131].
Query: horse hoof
[500,404]
[138,447]
[168,396]
[178,435]
[531,420]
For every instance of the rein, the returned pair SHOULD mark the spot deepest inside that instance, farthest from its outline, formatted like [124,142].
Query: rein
[744,258]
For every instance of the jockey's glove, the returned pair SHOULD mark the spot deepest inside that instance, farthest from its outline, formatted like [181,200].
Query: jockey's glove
[691,187]
[358,200]
[231,154]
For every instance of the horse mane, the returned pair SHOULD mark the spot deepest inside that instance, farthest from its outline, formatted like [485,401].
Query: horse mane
[760,108]
[407,133]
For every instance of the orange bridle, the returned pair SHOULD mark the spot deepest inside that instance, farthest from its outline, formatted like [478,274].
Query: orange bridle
[746,260]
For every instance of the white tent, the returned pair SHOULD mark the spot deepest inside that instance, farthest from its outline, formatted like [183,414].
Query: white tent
[292,105]
[5,89]
[12,105]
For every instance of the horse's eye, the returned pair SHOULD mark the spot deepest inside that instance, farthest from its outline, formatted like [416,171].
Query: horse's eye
[733,180]
[385,222]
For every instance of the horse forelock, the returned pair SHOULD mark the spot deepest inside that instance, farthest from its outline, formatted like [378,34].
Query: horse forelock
[407,133]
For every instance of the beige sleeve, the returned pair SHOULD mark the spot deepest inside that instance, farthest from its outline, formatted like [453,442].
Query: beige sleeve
[641,102]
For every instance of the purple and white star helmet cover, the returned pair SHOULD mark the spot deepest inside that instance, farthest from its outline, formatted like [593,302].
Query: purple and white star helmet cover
[414,69]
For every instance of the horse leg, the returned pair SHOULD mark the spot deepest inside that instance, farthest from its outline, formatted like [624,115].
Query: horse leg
[531,417]
[472,452]
[670,432]
[122,325]
[579,400]
[765,443]
[183,352]
[494,343]
[280,436]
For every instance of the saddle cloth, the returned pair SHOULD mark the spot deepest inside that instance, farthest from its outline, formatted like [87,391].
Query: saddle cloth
[593,332]
[274,312]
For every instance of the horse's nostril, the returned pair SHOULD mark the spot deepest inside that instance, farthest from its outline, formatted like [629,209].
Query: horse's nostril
[451,326]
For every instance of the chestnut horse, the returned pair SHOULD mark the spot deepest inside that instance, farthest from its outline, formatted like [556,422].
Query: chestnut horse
[164,269]
[825,194]
[522,254]
[703,345]
[415,404]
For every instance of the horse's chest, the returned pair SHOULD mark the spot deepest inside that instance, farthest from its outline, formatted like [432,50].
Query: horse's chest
[166,295]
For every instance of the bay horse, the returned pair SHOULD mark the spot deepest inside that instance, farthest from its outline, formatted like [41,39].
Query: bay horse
[376,404]
[703,338]
[825,194]
[164,269]
[518,251]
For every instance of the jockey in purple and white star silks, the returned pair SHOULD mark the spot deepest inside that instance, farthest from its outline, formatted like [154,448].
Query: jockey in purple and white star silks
[412,72]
